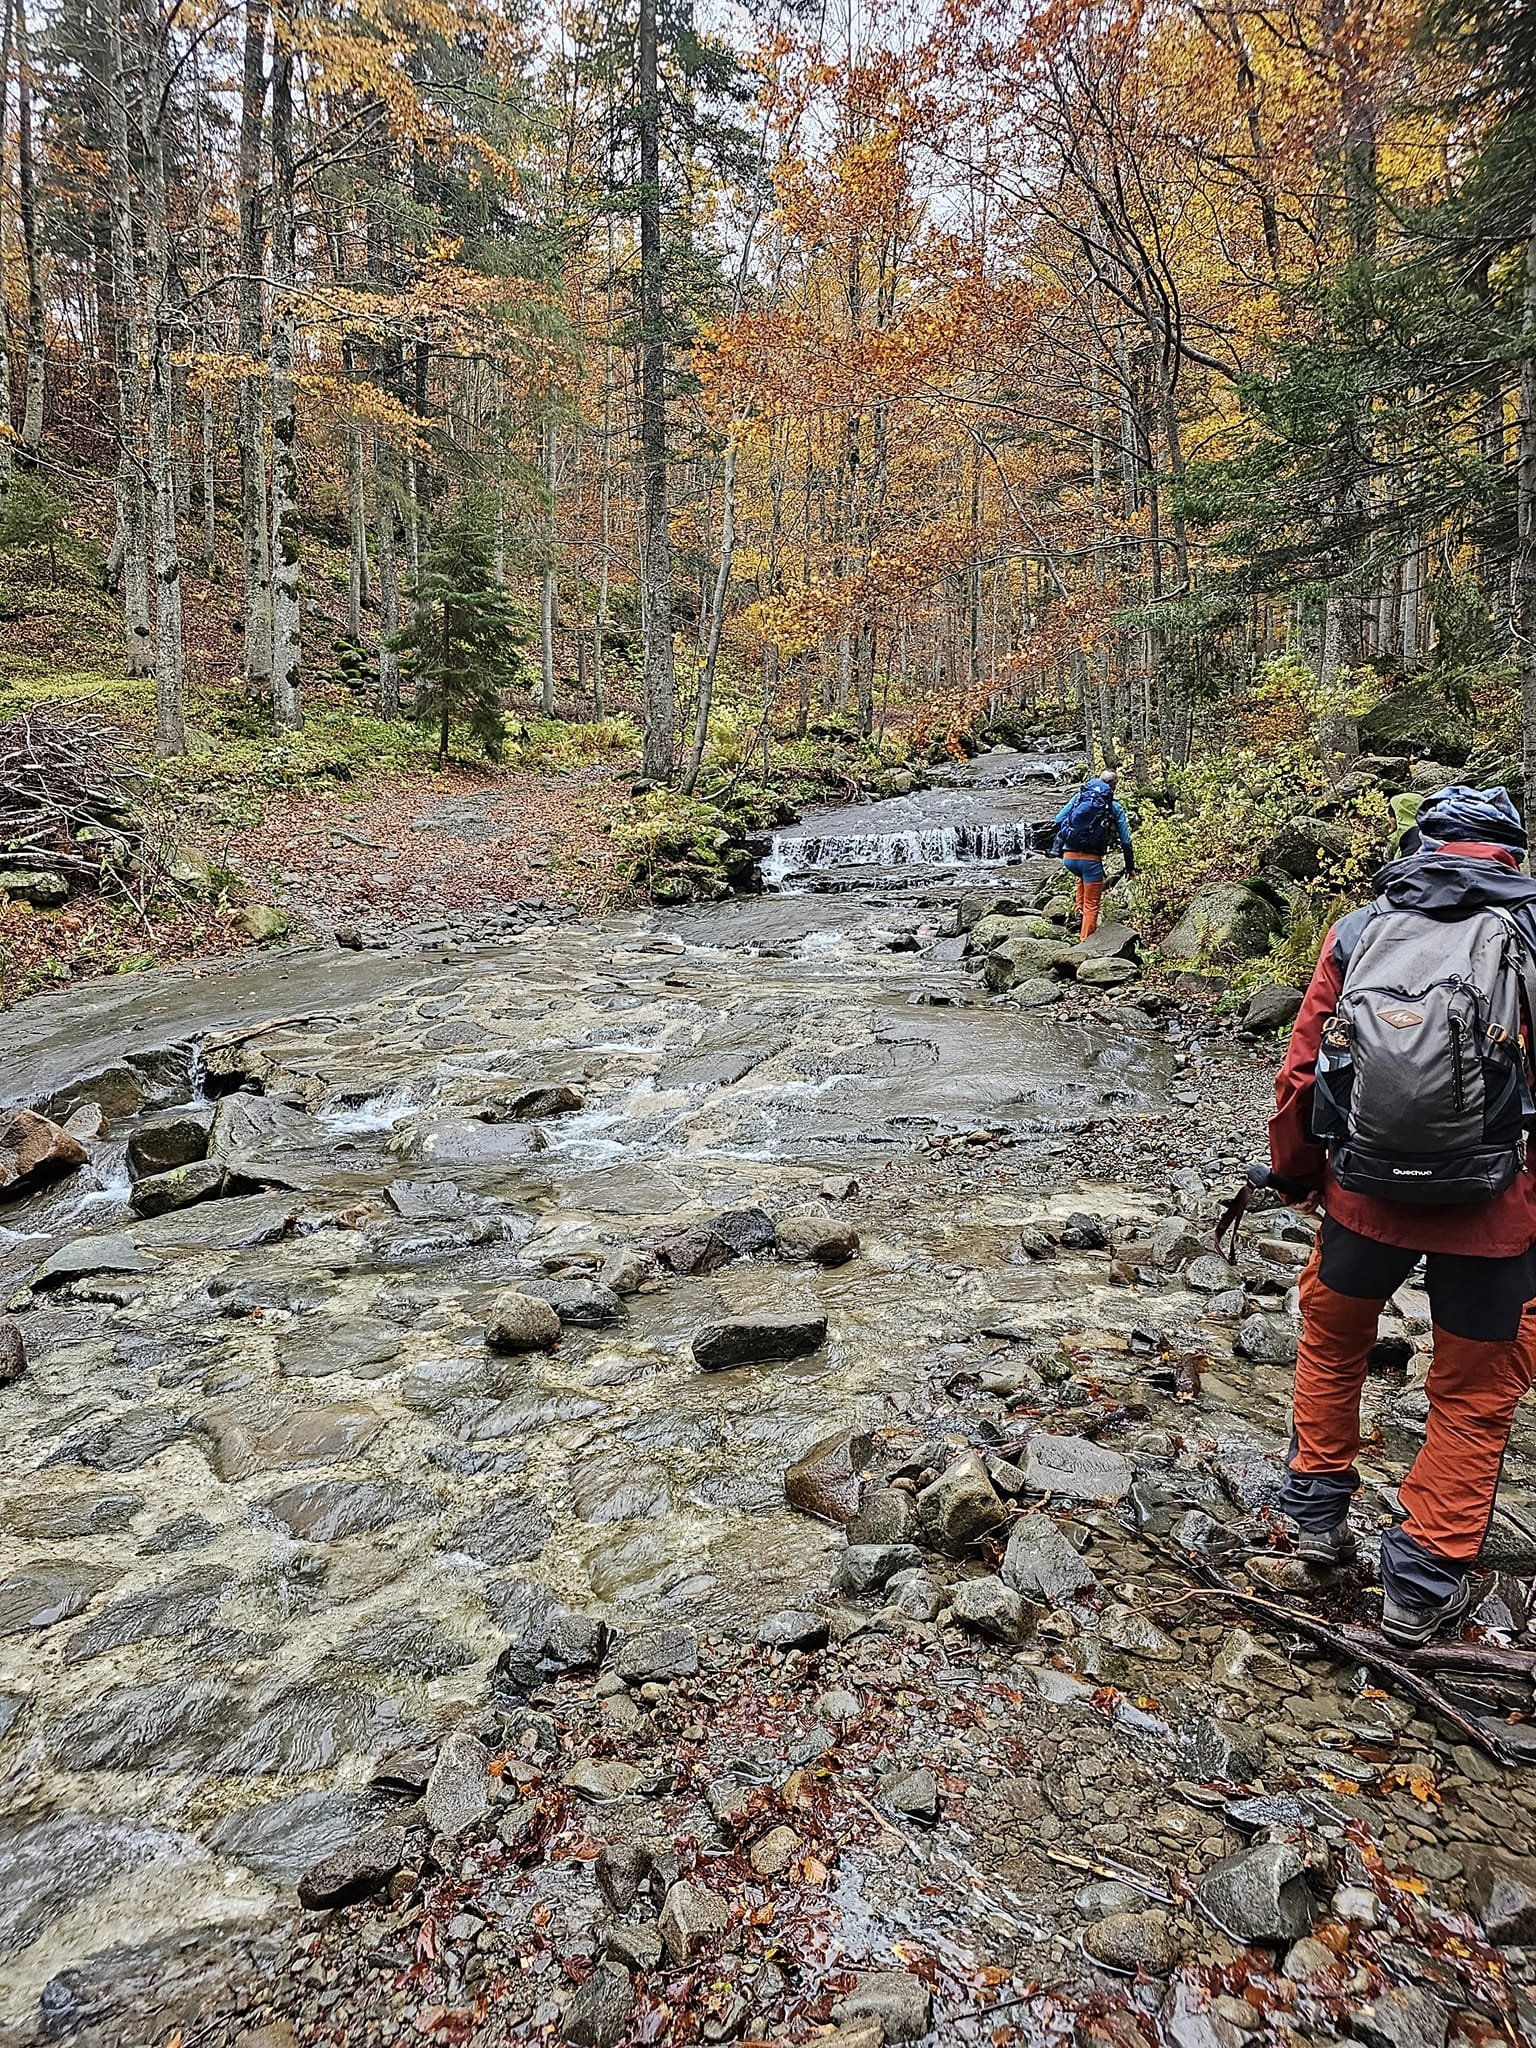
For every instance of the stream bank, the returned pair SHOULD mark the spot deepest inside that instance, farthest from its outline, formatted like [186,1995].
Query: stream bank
[280,1512]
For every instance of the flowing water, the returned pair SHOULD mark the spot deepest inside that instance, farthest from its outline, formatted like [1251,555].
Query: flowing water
[268,1501]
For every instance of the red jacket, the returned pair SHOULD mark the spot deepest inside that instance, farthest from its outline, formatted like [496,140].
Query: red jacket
[1500,1229]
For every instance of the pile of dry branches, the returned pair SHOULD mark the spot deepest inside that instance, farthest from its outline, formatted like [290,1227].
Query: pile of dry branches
[65,804]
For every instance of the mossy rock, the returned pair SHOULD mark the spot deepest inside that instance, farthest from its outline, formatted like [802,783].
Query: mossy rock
[1417,719]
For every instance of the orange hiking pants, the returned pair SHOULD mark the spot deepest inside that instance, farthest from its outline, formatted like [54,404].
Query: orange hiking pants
[1484,1360]
[1089,897]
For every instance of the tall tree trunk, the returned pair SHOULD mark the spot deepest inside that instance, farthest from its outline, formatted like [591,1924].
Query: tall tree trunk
[1524,577]
[387,529]
[716,620]
[659,682]
[7,39]
[26,176]
[357,519]
[249,300]
[128,362]
[170,730]
[547,581]
[285,485]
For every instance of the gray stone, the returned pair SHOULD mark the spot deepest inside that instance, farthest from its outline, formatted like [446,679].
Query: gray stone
[535,1103]
[634,1944]
[1083,1233]
[744,1232]
[1222,1752]
[1210,1274]
[1407,2016]
[361,1866]
[838,1705]
[512,1529]
[960,1507]
[620,1871]
[886,1515]
[759,1339]
[284,1837]
[1042,1565]
[825,1481]
[1268,1339]
[1075,1468]
[1173,1243]
[520,1322]
[626,1271]
[49,1866]
[1136,1635]
[1023,958]
[13,1352]
[1108,973]
[818,1238]
[327,1510]
[202,1181]
[458,1791]
[599,2010]
[44,1595]
[1260,1894]
[304,1436]
[916,1594]
[86,1259]
[1133,1941]
[362,1346]
[61,1517]
[40,887]
[657,1656]
[166,1142]
[915,1794]
[1502,1889]
[901,2003]
[1111,941]
[1273,1008]
[584,1304]
[693,1921]
[990,1608]
[1225,921]
[180,1607]
[602,1783]
[1302,846]
[793,1629]
[866,1567]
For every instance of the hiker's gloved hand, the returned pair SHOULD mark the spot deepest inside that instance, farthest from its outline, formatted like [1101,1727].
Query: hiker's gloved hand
[1294,1192]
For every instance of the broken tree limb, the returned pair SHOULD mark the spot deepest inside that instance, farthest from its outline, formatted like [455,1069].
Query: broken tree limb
[1358,1646]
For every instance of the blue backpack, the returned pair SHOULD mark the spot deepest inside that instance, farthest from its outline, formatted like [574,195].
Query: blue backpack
[1088,824]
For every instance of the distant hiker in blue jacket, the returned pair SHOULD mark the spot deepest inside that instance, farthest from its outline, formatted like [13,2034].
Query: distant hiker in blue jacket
[1083,828]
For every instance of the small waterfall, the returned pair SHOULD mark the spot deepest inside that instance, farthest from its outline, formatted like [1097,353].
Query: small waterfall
[978,844]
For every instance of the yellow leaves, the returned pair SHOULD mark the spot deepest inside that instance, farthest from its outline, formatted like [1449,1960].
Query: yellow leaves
[1415,1779]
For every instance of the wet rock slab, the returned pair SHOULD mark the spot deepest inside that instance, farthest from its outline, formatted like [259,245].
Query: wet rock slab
[758,1340]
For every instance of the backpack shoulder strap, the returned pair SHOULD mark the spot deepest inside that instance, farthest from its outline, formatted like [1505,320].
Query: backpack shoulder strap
[1350,930]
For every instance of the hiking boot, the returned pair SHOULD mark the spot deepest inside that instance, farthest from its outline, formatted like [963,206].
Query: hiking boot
[1413,1623]
[1329,1549]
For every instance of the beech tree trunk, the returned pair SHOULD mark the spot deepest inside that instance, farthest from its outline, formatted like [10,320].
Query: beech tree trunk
[285,483]
[26,176]
[170,730]
[387,545]
[659,680]
[1523,593]
[250,297]
[127,360]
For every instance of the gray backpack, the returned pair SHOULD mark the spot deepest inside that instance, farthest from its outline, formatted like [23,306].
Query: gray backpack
[1423,1093]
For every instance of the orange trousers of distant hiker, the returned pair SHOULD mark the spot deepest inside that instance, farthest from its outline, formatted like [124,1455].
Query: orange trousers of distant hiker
[1089,897]
[1484,1361]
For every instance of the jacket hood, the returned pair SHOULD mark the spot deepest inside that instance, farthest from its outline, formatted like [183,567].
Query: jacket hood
[1449,884]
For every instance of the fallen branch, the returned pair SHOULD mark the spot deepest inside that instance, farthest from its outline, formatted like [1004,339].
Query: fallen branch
[1360,1646]
[225,1039]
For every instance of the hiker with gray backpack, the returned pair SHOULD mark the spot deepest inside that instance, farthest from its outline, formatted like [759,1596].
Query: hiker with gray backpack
[1403,1106]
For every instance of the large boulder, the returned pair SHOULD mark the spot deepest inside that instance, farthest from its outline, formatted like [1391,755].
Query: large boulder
[759,1339]
[33,1151]
[1304,846]
[1260,1894]
[1417,719]
[1273,1008]
[159,1193]
[167,1142]
[1226,921]
[1113,941]
[521,1322]
[1108,973]
[992,931]
[40,887]
[1025,959]
[825,1482]
[960,1507]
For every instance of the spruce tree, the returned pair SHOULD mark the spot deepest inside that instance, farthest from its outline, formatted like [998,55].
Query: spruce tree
[463,649]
